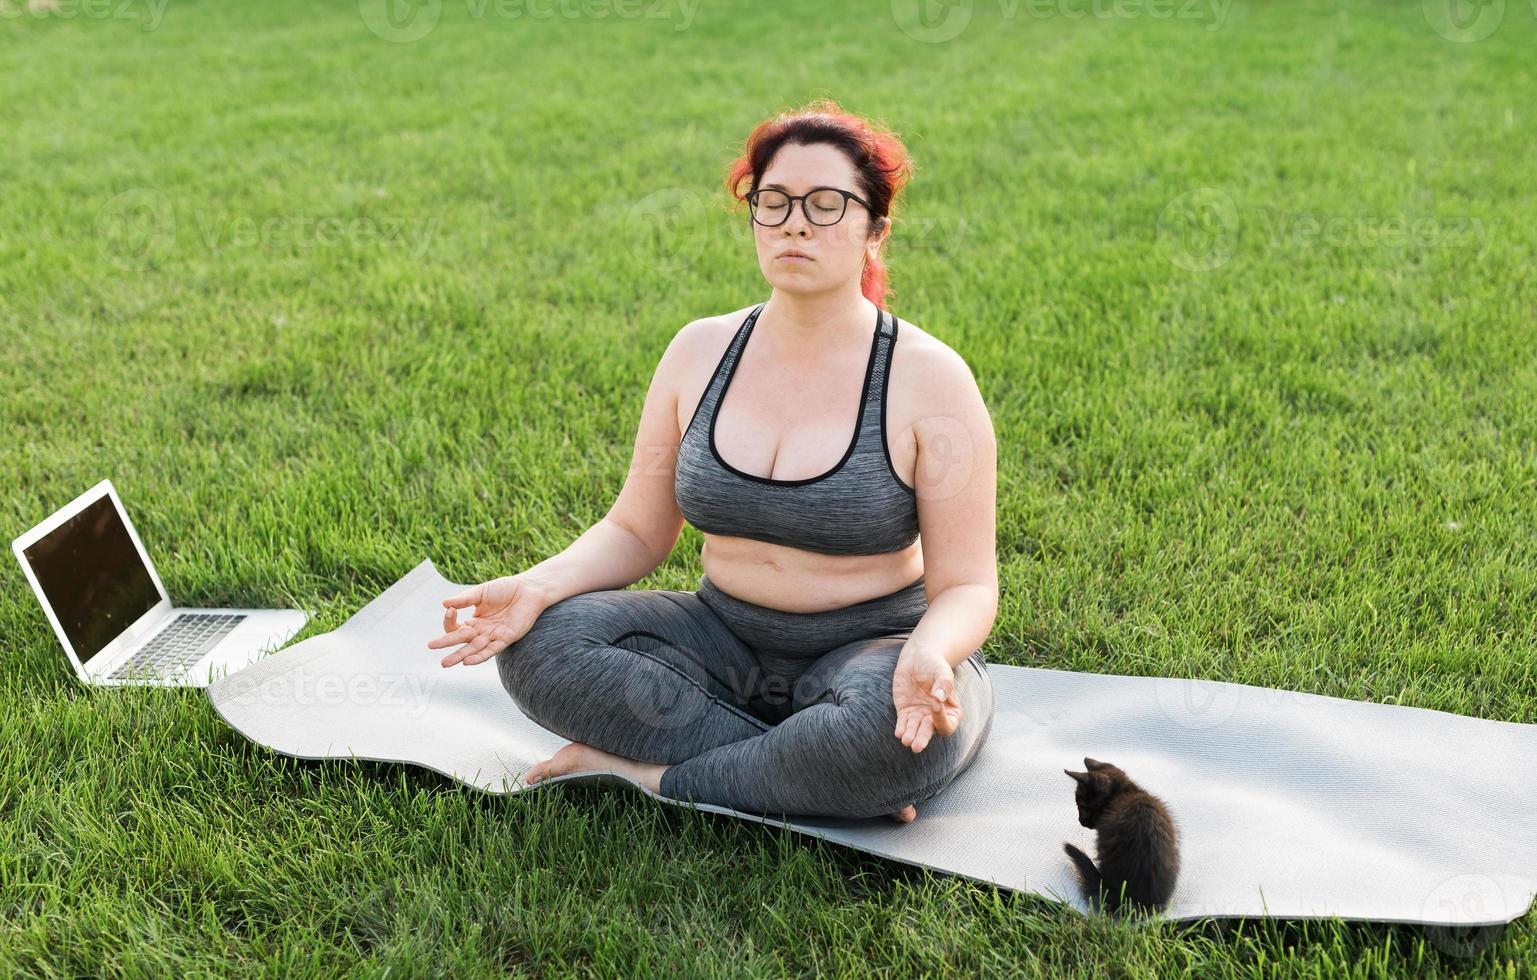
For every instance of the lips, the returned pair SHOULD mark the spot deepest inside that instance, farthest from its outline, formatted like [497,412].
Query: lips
[794,255]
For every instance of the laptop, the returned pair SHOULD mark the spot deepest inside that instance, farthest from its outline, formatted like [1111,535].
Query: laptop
[110,611]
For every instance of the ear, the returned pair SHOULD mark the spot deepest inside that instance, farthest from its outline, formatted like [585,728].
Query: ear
[1081,777]
[1092,764]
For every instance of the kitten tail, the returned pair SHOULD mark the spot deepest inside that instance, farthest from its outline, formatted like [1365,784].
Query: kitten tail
[1087,872]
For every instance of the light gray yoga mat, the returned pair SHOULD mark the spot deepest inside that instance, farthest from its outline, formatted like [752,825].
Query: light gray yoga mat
[1290,805]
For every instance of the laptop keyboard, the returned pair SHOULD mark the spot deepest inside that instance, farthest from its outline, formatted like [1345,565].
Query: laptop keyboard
[179,645]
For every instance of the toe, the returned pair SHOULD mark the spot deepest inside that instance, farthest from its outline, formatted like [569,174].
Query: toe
[555,765]
[571,758]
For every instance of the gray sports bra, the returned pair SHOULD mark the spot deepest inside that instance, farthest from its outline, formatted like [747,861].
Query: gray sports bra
[859,507]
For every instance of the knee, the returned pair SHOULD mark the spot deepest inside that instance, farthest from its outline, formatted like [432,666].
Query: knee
[876,748]
[527,666]
[871,720]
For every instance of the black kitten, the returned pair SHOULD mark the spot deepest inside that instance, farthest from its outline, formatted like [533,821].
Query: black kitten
[1137,840]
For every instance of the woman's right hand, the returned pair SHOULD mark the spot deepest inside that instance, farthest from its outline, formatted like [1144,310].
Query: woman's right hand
[505,608]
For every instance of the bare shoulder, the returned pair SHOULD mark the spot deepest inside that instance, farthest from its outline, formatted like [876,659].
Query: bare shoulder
[934,405]
[692,355]
[701,337]
[927,374]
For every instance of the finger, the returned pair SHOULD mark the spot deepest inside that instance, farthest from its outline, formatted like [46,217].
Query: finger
[463,654]
[489,649]
[910,724]
[952,710]
[469,597]
[946,718]
[952,692]
[463,634]
[473,647]
[925,729]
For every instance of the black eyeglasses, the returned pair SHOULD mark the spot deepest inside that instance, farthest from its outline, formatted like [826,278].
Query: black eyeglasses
[820,205]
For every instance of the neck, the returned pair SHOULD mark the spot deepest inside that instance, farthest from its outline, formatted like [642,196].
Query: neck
[817,321]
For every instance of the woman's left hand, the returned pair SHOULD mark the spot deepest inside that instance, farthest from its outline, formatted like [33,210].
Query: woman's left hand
[923,689]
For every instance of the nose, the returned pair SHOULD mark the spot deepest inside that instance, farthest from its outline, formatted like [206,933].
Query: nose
[796,222]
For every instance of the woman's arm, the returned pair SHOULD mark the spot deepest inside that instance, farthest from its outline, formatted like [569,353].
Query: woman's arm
[956,477]
[606,556]
[641,528]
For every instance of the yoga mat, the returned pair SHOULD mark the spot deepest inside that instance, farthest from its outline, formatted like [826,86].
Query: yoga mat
[1289,805]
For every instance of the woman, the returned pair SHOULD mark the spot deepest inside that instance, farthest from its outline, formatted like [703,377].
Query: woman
[829,663]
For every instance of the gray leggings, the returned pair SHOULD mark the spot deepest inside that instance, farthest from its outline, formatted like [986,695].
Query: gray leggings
[755,709]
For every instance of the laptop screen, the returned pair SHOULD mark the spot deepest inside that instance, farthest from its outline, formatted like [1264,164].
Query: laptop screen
[93,577]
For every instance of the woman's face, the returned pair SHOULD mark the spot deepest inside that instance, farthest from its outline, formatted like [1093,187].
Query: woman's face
[835,253]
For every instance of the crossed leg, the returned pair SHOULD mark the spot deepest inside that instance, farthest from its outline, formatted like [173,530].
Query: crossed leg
[838,754]
[651,675]
[651,683]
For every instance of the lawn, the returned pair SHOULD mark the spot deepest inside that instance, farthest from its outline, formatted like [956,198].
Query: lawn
[1248,288]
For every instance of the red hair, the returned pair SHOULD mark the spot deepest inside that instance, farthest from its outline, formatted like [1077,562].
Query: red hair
[881,166]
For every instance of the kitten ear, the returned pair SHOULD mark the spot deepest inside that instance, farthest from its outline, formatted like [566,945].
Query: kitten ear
[1081,777]
[1092,764]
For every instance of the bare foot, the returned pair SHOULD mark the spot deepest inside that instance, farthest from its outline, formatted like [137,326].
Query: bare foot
[577,757]
[580,757]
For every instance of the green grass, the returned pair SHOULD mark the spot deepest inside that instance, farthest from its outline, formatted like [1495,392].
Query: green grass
[1288,454]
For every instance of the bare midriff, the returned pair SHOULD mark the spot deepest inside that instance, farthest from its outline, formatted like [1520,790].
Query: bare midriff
[794,580]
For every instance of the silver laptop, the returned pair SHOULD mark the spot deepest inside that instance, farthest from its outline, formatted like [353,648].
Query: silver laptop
[106,603]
